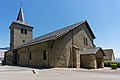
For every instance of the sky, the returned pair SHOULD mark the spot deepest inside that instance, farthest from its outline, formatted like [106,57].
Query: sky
[45,16]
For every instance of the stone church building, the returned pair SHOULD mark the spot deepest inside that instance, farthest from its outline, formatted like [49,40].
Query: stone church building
[69,47]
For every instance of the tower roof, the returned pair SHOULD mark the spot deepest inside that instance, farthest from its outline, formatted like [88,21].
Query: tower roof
[21,15]
[20,19]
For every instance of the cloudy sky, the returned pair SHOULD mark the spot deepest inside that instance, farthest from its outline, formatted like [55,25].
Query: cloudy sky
[45,16]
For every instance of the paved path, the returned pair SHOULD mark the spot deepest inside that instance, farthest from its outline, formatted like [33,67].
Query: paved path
[22,73]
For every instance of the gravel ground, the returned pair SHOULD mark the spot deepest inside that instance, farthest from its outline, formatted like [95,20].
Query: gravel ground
[23,73]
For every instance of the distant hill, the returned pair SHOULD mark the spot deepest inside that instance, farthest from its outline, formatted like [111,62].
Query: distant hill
[117,59]
[6,48]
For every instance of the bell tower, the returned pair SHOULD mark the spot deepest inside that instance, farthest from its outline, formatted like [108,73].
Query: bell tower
[20,31]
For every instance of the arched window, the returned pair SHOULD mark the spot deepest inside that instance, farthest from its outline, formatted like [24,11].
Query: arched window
[22,30]
[85,41]
[44,55]
[30,56]
[25,31]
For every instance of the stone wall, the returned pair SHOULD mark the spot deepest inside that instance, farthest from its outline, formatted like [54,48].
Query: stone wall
[36,52]
[8,56]
[37,55]
[23,57]
[81,32]
[16,37]
[88,61]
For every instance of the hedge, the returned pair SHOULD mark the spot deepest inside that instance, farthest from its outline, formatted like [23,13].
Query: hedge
[113,66]
[108,64]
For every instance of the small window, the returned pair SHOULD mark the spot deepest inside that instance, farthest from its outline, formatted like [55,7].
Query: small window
[44,55]
[23,41]
[30,56]
[22,30]
[25,31]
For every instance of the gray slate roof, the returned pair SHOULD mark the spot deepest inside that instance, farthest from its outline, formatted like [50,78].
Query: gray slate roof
[108,53]
[5,48]
[56,34]
[21,15]
[20,19]
[90,51]
[22,23]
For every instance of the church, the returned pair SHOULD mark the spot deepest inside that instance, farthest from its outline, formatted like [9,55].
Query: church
[69,47]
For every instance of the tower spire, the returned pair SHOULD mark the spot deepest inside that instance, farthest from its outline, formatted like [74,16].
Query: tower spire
[21,14]
[20,3]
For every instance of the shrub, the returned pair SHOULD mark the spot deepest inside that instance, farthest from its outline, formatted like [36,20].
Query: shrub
[108,64]
[113,66]
[118,64]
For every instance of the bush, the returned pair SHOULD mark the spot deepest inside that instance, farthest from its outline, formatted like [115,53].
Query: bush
[113,66]
[3,62]
[108,64]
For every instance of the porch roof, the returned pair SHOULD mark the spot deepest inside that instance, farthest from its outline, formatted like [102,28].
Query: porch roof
[91,51]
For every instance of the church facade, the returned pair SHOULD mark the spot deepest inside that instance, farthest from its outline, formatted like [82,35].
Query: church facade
[69,47]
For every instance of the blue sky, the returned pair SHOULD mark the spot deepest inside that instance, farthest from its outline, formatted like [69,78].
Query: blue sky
[48,15]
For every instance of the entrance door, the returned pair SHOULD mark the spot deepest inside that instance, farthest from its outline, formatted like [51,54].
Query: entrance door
[99,63]
[15,58]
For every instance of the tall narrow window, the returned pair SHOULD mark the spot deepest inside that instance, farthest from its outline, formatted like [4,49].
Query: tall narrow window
[25,31]
[30,56]
[22,30]
[44,55]
[84,40]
